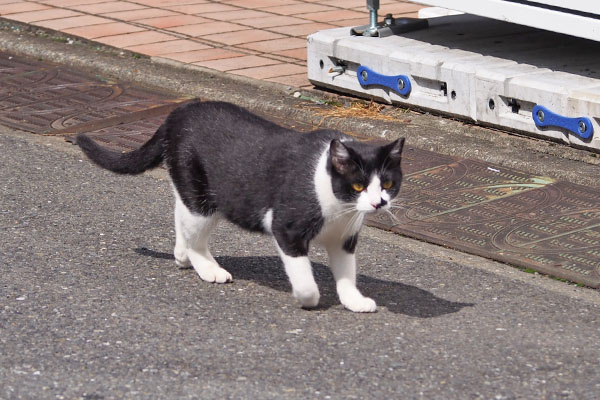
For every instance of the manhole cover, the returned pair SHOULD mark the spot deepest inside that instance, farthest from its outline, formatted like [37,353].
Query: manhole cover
[500,213]
[42,98]
[124,137]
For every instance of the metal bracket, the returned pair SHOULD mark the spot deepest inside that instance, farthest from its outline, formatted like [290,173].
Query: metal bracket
[398,83]
[581,126]
[390,25]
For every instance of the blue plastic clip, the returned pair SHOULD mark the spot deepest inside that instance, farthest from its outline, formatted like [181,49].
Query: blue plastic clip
[398,83]
[581,127]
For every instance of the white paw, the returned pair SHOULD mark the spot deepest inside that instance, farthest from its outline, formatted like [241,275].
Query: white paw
[181,258]
[308,297]
[360,304]
[183,263]
[214,273]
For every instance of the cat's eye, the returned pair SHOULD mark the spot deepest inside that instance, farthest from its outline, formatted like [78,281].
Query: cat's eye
[359,187]
[387,185]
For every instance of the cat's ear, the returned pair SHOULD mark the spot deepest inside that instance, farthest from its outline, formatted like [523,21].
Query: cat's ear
[340,157]
[394,153]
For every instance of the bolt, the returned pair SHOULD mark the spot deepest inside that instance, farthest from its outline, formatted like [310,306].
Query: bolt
[364,75]
[400,84]
[389,19]
[582,127]
[372,30]
[540,115]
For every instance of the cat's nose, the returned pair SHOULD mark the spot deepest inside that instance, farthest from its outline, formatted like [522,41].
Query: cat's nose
[377,206]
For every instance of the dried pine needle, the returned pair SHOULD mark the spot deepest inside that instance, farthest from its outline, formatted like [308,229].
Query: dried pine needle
[358,109]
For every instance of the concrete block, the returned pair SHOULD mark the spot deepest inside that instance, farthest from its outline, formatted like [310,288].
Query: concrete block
[473,68]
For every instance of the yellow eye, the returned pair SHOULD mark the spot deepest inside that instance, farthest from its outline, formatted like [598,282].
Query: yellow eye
[387,185]
[359,187]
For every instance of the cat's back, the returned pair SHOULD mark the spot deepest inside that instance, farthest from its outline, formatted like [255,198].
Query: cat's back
[245,164]
[218,131]
[204,121]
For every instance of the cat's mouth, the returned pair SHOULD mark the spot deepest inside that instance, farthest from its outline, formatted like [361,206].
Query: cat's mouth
[373,209]
[378,211]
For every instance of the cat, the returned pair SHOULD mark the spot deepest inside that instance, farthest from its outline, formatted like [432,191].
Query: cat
[226,162]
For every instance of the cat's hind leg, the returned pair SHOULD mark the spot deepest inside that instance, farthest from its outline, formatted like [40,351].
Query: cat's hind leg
[191,243]
[181,248]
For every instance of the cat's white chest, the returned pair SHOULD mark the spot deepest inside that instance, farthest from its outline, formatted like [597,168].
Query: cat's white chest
[340,223]
[337,231]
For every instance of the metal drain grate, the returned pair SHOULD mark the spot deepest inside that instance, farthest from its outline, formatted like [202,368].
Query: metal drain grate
[42,98]
[126,136]
[500,213]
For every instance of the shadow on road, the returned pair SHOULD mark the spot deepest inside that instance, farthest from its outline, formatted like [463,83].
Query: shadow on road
[397,297]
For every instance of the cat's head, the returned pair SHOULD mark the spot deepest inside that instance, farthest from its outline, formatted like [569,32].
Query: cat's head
[366,175]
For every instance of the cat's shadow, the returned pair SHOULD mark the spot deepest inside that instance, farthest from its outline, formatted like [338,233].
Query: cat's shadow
[395,296]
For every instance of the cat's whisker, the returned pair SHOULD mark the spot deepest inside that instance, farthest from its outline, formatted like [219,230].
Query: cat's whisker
[345,212]
[353,225]
[347,209]
[398,205]
[393,217]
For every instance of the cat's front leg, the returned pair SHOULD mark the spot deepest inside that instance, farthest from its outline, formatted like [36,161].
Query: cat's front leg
[299,272]
[342,262]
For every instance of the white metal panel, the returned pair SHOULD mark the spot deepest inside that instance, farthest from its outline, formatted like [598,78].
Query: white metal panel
[481,69]
[589,6]
[529,14]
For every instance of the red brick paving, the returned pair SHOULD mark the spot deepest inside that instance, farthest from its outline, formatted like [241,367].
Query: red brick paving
[63,24]
[260,39]
[139,14]
[135,38]
[168,47]
[271,46]
[195,56]
[244,36]
[172,21]
[107,7]
[207,28]
[302,30]
[229,64]
[20,7]
[43,15]
[270,71]
[272,21]
[104,29]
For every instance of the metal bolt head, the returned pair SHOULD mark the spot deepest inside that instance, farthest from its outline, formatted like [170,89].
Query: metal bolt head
[389,19]
[364,75]
[582,127]
[540,115]
[400,84]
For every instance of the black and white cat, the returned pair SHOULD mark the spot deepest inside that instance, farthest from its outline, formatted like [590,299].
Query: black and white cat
[225,162]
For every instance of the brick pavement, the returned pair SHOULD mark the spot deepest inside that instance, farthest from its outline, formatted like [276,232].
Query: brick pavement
[261,39]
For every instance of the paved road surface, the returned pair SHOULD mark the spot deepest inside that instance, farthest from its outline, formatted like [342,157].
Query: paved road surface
[92,306]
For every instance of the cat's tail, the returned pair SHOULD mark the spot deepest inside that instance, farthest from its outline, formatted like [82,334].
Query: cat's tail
[149,156]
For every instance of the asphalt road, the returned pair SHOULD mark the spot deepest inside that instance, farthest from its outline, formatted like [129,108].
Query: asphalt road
[92,306]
